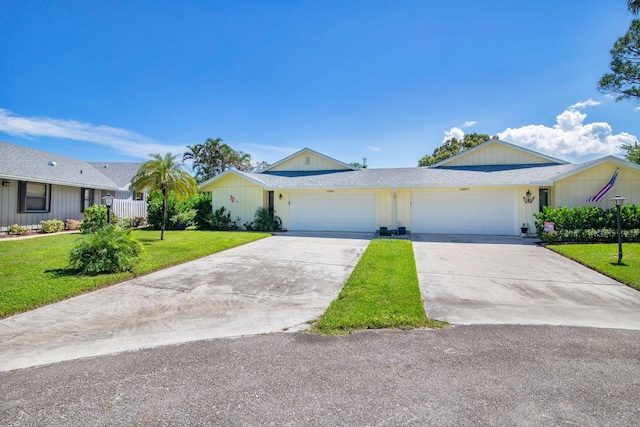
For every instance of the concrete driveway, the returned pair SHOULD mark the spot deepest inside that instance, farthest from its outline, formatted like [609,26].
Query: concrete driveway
[275,284]
[505,280]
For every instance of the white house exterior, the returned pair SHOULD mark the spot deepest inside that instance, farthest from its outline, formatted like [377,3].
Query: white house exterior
[37,186]
[480,191]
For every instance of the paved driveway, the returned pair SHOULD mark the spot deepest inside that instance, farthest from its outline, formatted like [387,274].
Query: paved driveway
[504,280]
[271,285]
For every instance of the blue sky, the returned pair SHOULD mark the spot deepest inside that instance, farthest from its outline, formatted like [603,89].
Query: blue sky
[117,80]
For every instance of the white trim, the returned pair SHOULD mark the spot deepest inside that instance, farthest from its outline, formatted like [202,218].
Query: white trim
[231,171]
[55,182]
[503,143]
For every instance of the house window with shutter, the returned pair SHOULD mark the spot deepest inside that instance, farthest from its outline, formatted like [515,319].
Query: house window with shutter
[33,197]
[86,198]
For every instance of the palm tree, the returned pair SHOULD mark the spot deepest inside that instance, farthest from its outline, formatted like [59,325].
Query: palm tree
[634,6]
[164,175]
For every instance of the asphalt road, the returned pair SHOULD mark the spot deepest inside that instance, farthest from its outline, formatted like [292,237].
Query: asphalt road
[465,375]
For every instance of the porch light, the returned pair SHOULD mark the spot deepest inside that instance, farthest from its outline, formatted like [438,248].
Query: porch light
[5,182]
[280,196]
[108,201]
[528,199]
[618,201]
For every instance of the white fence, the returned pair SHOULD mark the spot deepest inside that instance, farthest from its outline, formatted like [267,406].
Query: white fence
[129,208]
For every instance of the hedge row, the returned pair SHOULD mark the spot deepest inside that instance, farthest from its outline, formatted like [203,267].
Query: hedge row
[588,224]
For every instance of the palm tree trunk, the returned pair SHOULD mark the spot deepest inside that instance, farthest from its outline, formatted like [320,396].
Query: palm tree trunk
[164,213]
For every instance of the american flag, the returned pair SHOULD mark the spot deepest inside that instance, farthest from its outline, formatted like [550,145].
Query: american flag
[600,195]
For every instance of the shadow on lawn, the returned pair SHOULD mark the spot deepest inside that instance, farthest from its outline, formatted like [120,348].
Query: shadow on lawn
[63,272]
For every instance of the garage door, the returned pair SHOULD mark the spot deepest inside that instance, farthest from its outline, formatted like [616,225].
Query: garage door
[333,211]
[464,212]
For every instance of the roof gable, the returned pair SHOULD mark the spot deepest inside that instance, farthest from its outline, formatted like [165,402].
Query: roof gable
[119,172]
[497,152]
[308,160]
[592,164]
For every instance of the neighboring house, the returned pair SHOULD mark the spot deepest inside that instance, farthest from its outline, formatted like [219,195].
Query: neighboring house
[37,186]
[480,191]
[126,204]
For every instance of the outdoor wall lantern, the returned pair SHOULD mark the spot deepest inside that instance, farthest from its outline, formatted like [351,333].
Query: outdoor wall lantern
[108,202]
[280,196]
[528,199]
[618,201]
[5,182]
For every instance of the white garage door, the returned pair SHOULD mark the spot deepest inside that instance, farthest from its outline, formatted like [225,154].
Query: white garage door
[333,211]
[464,212]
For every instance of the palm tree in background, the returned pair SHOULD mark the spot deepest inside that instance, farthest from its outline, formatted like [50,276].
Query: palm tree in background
[165,176]
[634,6]
[213,157]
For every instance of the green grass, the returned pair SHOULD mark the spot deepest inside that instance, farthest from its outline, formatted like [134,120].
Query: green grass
[382,292]
[604,258]
[35,272]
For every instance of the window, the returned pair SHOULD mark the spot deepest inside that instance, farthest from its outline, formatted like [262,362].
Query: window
[87,198]
[543,197]
[33,197]
[138,196]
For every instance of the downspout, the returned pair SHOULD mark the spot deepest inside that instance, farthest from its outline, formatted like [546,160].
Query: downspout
[395,209]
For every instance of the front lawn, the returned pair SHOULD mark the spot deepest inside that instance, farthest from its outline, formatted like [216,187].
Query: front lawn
[35,272]
[382,292]
[604,258]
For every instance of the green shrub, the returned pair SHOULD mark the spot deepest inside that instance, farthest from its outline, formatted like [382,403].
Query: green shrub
[108,250]
[590,235]
[264,220]
[587,218]
[184,218]
[19,229]
[204,210]
[154,211]
[222,220]
[95,218]
[52,226]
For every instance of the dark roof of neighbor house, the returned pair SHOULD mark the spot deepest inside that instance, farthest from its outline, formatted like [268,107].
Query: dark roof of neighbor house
[28,164]
[119,172]
[499,175]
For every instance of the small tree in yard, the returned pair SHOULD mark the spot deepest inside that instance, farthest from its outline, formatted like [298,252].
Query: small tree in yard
[165,175]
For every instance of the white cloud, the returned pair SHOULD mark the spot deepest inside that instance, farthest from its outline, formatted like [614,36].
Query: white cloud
[637,109]
[570,138]
[469,123]
[454,132]
[372,148]
[122,140]
[582,104]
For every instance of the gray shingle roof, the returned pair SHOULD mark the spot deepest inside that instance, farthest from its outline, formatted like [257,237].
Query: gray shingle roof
[27,164]
[119,172]
[417,177]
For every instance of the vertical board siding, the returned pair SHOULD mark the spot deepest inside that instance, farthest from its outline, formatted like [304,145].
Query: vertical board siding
[65,204]
[576,189]
[316,163]
[238,196]
[497,155]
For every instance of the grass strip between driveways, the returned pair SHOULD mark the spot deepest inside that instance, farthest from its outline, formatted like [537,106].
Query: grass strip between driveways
[604,258]
[35,272]
[382,292]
